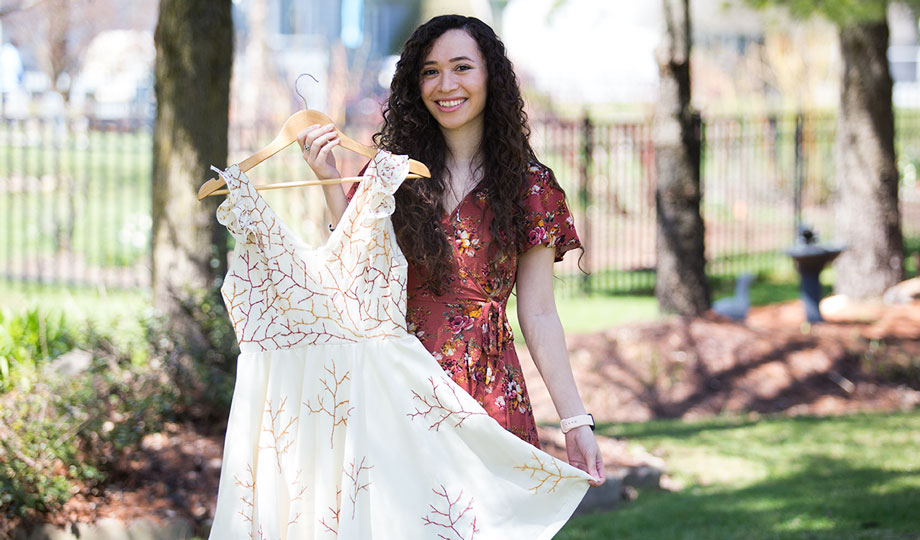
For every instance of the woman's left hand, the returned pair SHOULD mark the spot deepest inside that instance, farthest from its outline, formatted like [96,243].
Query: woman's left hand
[583,453]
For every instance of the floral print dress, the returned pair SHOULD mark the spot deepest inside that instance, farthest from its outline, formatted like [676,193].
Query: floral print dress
[467,328]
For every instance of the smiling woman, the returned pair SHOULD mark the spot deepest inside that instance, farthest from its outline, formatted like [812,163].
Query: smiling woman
[490,219]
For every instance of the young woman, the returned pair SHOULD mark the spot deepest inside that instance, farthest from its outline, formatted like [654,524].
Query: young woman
[491,217]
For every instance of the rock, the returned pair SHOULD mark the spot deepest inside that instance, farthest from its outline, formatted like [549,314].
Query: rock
[72,363]
[602,498]
[113,529]
[643,477]
[903,293]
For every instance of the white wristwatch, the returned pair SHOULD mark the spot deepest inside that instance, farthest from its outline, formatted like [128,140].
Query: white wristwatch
[568,424]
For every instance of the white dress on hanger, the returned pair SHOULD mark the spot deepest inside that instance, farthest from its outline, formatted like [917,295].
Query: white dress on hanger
[342,424]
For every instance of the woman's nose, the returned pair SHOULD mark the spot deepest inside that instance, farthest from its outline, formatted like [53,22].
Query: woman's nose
[447,82]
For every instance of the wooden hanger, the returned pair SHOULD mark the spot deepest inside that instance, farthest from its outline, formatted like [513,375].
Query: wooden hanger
[288,134]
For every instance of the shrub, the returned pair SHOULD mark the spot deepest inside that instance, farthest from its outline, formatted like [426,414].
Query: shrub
[60,434]
[26,340]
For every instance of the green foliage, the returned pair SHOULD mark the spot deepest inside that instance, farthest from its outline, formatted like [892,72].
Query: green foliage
[841,12]
[60,433]
[26,339]
[40,458]
[203,371]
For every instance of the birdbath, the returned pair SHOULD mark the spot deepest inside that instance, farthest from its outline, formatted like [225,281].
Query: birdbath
[810,259]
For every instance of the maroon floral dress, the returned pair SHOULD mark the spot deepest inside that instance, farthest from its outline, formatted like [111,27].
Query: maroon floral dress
[467,329]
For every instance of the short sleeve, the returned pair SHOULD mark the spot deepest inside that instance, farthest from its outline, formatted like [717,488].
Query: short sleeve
[549,221]
[237,210]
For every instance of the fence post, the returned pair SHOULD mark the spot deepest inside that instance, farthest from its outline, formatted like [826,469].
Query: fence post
[584,192]
[799,172]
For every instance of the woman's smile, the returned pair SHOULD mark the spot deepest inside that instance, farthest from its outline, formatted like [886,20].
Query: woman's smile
[450,105]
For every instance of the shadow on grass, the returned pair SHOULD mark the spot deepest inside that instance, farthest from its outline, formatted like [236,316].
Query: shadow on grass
[826,498]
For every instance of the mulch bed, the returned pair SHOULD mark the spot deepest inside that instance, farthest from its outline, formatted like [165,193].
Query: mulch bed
[862,358]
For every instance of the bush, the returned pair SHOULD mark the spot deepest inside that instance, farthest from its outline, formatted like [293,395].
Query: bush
[201,363]
[59,434]
[27,339]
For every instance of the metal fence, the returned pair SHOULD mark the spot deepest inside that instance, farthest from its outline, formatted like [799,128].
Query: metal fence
[75,196]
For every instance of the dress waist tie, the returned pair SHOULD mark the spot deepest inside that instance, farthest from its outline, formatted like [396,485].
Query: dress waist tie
[494,317]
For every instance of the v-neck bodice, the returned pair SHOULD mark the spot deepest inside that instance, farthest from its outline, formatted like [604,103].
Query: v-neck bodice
[469,194]
[282,293]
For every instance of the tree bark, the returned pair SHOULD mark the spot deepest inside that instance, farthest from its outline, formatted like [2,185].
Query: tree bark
[194,53]
[681,285]
[868,217]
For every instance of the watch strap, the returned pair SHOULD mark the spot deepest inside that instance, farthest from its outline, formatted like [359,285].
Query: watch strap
[568,424]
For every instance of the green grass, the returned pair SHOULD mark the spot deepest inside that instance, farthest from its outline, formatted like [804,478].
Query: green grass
[853,477]
[122,309]
[580,314]
[585,314]
[91,195]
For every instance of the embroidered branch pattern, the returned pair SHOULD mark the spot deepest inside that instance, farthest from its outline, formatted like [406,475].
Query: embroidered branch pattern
[277,432]
[279,297]
[434,404]
[302,489]
[335,513]
[354,474]
[450,519]
[248,509]
[544,473]
[332,407]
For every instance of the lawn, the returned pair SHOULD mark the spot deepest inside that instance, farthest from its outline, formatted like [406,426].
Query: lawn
[852,477]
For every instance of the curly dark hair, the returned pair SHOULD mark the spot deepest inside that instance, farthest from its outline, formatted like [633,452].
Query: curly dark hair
[504,153]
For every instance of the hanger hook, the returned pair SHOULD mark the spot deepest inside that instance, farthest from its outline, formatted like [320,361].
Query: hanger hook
[297,89]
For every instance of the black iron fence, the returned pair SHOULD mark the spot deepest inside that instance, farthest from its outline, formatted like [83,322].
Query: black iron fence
[75,196]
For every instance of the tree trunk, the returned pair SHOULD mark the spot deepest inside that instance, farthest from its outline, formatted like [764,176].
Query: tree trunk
[194,53]
[681,286]
[869,221]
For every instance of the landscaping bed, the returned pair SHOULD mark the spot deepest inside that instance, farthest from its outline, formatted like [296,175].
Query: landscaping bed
[864,358]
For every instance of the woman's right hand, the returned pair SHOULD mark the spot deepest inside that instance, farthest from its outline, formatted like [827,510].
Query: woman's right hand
[316,143]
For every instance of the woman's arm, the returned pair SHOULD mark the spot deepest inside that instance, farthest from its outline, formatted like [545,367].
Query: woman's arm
[545,339]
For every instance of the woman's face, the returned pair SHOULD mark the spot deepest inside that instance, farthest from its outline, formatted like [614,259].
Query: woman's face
[453,81]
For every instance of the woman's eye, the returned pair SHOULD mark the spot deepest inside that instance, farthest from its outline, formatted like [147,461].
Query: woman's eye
[429,72]
[463,67]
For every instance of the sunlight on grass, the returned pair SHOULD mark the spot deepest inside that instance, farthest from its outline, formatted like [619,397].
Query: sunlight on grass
[581,315]
[853,477]
[122,311]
